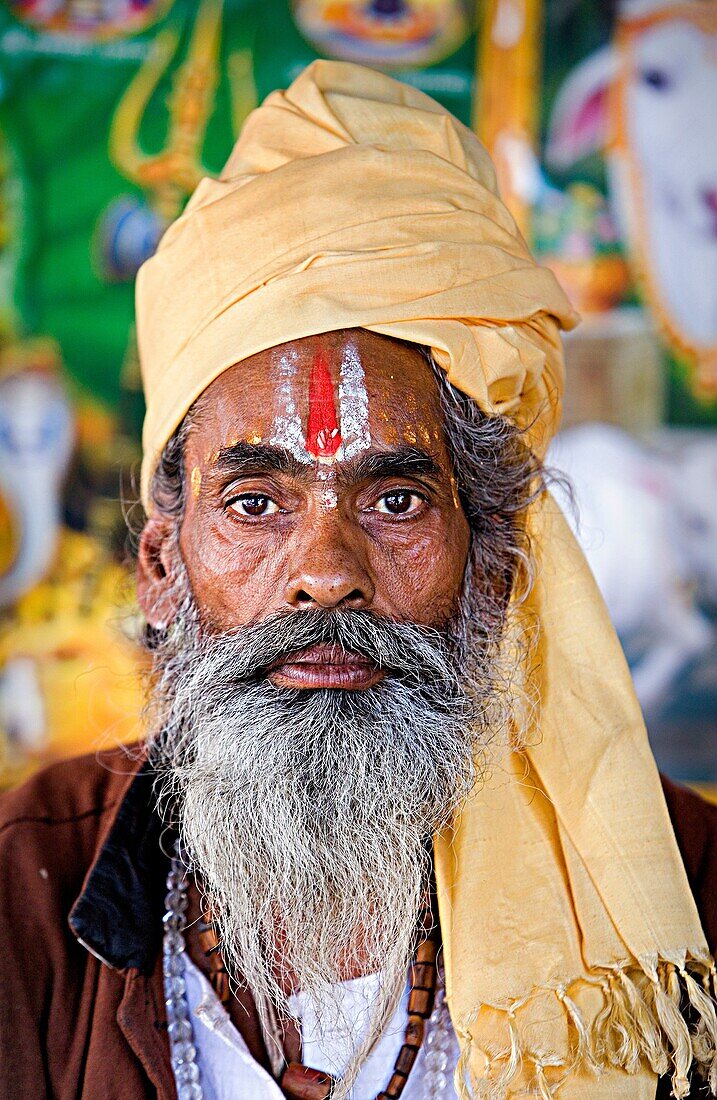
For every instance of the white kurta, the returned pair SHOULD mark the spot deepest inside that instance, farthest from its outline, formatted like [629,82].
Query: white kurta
[228,1071]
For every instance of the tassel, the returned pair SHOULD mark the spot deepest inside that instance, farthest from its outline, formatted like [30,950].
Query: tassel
[704,1040]
[678,1034]
[515,1057]
[462,1077]
[489,1088]
[462,1083]
[611,1028]
[545,1090]
[493,1088]
[672,983]
[499,1085]
[704,1006]
[640,1018]
[584,1053]
[652,1045]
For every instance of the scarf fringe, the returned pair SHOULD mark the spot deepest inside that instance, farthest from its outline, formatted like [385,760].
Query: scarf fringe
[641,1021]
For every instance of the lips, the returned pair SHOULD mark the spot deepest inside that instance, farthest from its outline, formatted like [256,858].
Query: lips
[324,666]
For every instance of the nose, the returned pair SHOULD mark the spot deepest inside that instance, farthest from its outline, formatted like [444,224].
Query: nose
[329,567]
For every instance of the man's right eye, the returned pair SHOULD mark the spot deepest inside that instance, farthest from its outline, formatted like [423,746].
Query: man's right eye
[254,505]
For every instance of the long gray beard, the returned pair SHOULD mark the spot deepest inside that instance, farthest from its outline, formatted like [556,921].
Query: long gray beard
[307,815]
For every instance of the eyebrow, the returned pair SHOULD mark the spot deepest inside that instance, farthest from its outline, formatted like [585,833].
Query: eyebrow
[245,459]
[403,462]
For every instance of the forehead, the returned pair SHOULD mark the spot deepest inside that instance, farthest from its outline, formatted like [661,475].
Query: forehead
[389,382]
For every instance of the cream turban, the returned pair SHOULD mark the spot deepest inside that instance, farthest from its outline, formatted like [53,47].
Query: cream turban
[569,929]
[350,200]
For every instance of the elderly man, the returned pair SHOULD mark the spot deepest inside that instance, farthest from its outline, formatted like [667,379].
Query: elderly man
[395,829]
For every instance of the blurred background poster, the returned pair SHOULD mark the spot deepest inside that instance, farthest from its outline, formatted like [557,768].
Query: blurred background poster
[602,123]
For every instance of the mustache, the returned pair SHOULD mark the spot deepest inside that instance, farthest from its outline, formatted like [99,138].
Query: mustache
[405,651]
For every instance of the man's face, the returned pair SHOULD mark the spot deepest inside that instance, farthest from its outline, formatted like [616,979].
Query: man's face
[318,477]
[317,480]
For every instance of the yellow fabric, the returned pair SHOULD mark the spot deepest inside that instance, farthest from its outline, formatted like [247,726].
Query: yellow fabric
[353,200]
[565,864]
[393,224]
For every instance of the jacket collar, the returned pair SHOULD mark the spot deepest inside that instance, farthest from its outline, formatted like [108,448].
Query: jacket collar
[118,915]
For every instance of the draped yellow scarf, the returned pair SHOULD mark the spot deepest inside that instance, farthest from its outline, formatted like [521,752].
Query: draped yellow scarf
[569,929]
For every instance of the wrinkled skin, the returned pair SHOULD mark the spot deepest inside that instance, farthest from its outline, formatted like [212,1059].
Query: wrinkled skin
[324,532]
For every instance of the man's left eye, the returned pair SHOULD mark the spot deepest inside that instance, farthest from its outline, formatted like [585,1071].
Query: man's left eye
[254,505]
[400,502]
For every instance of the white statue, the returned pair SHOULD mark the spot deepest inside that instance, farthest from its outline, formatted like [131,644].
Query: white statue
[36,440]
[650,99]
[648,525]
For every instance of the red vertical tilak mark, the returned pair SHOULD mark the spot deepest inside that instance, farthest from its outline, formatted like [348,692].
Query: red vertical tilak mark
[323,437]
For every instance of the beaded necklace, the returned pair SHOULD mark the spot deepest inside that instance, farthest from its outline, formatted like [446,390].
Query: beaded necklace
[427,1011]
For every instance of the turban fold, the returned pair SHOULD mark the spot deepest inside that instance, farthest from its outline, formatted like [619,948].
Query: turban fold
[569,930]
[350,200]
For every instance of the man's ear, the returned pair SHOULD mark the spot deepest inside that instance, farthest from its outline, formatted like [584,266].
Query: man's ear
[156,568]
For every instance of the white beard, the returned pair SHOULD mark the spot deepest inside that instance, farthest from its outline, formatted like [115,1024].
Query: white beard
[308,816]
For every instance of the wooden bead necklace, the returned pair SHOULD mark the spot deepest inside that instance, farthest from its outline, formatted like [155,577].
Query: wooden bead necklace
[299,1082]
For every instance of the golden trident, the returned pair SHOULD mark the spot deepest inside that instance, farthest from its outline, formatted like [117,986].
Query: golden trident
[174,172]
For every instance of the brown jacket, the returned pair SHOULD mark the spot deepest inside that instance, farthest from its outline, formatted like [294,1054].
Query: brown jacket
[82,870]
